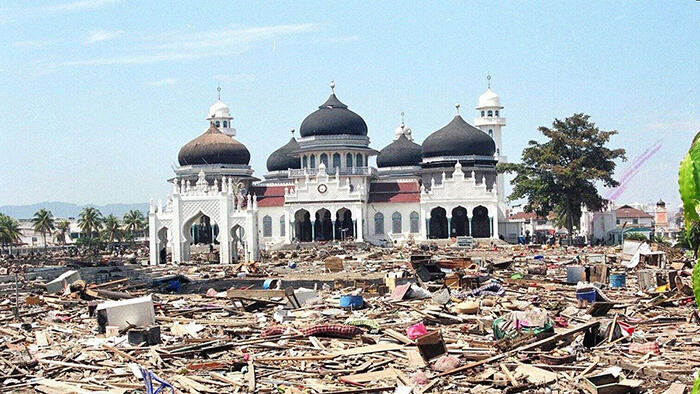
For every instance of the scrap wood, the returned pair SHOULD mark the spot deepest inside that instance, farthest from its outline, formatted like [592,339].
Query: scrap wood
[377,348]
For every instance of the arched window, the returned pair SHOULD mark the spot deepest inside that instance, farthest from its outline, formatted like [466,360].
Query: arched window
[282,226]
[336,160]
[498,151]
[324,159]
[348,160]
[491,133]
[267,226]
[225,123]
[358,161]
[396,223]
[378,223]
[305,162]
[415,220]
[312,163]
[217,123]
[496,112]
[490,113]
[483,113]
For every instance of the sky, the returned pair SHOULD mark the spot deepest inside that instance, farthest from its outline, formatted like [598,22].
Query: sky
[98,96]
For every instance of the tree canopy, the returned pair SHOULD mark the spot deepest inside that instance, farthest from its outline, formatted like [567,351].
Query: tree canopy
[10,231]
[43,223]
[561,174]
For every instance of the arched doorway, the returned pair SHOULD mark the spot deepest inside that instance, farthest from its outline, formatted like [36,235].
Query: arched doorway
[459,224]
[302,226]
[343,224]
[438,223]
[323,225]
[481,227]
[201,234]
[237,243]
[163,246]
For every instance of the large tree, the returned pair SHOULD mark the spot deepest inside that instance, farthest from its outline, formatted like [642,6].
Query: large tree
[10,231]
[62,228]
[112,229]
[561,175]
[134,221]
[43,223]
[90,221]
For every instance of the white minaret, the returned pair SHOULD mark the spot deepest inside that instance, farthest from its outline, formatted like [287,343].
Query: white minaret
[220,115]
[491,122]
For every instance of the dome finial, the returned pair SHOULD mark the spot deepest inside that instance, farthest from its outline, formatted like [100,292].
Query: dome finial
[403,119]
[218,90]
[292,133]
[457,107]
[488,79]
[332,86]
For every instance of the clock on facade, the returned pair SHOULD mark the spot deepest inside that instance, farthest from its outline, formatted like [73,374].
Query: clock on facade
[322,188]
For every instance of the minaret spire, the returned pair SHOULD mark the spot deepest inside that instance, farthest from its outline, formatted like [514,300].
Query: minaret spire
[218,90]
[332,87]
[403,123]
[457,107]
[488,79]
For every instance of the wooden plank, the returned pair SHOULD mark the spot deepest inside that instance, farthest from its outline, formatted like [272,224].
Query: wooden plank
[509,375]
[378,348]
[256,293]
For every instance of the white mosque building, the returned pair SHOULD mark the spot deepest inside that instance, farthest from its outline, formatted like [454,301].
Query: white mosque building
[321,186]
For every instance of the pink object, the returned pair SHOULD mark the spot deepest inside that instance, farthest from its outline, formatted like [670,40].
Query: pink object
[446,363]
[419,378]
[416,330]
[211,293]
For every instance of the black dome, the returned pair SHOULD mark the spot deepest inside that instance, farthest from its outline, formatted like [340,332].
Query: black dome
[282,159]
[458,138]
[400,153]
[332,118]
[213,147]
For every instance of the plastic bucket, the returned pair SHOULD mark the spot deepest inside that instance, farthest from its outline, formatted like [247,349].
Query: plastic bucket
[617,280]
[586,295]
[351,301]
[575,274]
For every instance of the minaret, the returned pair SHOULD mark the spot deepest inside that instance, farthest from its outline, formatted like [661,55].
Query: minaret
[220,116]
[491,122]
[403,130]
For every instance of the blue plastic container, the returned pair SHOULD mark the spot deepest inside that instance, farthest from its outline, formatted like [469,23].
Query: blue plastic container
[586,295]
[351,301]
[617,280]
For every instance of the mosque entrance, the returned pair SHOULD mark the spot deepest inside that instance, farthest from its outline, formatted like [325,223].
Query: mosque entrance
[438,223]
[237,243]
[323,226]
[459,224]
[302,226]
[162,246]
[481,227]
[343,224]
[202,231]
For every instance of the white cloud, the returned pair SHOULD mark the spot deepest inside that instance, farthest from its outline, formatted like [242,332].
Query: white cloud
[32,44]
[79,5]
[102,35]
[164,82]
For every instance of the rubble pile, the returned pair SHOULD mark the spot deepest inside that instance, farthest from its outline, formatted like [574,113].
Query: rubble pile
[359,319]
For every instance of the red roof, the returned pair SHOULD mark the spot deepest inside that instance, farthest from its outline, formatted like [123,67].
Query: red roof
[626,211]
[269,196]
[523,216]
[395,192]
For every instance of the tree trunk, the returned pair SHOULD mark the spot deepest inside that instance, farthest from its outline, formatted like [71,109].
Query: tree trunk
[569,220]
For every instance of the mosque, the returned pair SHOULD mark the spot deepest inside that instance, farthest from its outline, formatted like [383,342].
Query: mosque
[321,186]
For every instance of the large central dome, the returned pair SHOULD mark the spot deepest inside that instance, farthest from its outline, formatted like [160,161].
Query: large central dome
[213,147]
[333,118]
[458,138]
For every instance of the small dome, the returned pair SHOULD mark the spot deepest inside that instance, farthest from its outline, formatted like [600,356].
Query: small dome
[283,159]
[489,100]
[219,110]
[213,147]
[333,118]
[458,138]
[404,130]
[400,153]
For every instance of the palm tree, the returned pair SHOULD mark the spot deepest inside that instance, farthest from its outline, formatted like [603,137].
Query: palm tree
[9,231]
[90,221]
[62,228]
[112,229]
[134,221]
[43,222]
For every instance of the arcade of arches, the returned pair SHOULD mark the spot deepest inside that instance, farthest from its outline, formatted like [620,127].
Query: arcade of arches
[325,226]
[459,223]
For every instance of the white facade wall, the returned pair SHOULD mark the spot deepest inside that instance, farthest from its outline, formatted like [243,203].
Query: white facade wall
[388,210]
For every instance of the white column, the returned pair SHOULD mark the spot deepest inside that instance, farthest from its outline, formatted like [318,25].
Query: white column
[153,239]
[423,223]
[288,231]
[225,230]
[178,251]
[360,225]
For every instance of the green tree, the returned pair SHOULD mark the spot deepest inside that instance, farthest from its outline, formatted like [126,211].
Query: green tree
[134,222]
[90,221]
[43,223]
[9,231]
[112,229]
[561,174]
[62,228]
